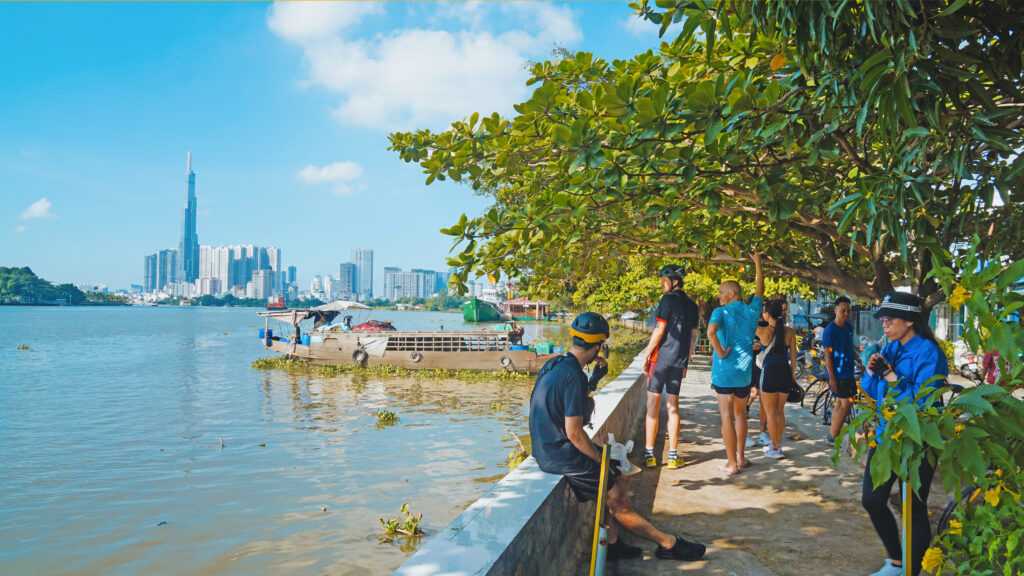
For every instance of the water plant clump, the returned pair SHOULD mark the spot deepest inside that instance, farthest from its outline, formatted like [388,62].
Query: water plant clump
[386,418]
[292,364]
[24,347]
[405,524]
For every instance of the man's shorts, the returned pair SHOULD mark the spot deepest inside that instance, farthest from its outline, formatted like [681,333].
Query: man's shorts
[665,378]
[737,391]
[586,483]
[846,387]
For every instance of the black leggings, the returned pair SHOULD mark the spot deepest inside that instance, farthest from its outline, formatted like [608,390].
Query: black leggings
[876,502]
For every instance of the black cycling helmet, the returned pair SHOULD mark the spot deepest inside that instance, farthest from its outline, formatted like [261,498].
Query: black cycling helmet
[672,272]
[590,327]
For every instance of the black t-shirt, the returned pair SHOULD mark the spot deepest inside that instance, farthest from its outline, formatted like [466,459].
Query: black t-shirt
[560,392]
[681,315]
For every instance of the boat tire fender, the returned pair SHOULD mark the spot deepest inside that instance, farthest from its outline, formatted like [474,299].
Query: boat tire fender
[360,356]
[416,356]
[505,361]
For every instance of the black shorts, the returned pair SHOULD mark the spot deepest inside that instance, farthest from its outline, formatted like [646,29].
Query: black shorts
[777,379]
[665,379]
[737,391]
[755,376]
[586,483]
[846,387]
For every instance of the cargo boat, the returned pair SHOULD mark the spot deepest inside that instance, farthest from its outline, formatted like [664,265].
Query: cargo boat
[477,310]
[380,344]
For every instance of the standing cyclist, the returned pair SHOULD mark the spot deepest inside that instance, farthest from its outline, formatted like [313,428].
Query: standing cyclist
[668,353]
[906,366]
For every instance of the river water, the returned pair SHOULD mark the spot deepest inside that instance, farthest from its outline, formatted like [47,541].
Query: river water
[140,441]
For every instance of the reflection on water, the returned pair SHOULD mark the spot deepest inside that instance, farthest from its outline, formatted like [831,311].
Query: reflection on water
[111,458]
[112,462]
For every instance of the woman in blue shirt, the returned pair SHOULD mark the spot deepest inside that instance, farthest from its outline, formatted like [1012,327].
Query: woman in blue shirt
[907,364]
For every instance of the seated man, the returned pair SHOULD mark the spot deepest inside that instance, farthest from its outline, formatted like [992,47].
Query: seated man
[559,406]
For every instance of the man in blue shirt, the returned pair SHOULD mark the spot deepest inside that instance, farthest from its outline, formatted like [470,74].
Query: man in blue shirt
[731,332]
[559,407]
[837,344]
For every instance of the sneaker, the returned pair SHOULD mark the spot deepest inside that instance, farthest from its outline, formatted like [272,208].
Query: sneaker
[674,462]
[830,439]
[619,550]
[763,439]
[889,569]
[750,442]
[682,550]
[773,453]
[650,461]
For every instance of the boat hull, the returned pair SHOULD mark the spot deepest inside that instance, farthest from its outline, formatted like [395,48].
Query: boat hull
[477,310]
[467,350]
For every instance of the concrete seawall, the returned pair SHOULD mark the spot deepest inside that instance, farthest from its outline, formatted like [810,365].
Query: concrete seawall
[530,522]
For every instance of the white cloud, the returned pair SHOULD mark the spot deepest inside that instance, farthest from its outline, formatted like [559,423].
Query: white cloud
[39,209]
[303,22]
[20,229]
[338,173]
[424,77]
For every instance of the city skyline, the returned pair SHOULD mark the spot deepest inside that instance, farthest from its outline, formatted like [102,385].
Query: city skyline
[289,136]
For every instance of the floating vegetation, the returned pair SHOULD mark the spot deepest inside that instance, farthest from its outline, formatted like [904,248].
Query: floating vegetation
[518,454]
[24,347]
[405,524]
[386,418]
[496,407]
[292,364]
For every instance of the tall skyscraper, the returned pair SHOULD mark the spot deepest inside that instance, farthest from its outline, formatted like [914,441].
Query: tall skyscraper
[363,259]
[292,273]
[188,247]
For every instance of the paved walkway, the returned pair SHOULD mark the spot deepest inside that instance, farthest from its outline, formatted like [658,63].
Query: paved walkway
[795,516]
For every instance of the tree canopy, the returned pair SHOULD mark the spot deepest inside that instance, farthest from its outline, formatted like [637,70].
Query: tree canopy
[848,141]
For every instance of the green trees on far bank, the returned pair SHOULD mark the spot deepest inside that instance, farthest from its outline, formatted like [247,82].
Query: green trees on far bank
[848,141]
[22,286]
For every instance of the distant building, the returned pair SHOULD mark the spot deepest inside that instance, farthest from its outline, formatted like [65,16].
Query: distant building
[235,265]
[188,246]
[207,286]
[363,260]
[292,273]
[416,283]
[347,287]
[263,283]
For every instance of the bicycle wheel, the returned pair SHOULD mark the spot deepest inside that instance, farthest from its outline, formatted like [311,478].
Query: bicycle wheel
[821,400]
[813,389]
[968,495]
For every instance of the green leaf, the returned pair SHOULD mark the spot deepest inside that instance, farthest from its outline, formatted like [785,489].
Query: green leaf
[949,10]
[1013,273]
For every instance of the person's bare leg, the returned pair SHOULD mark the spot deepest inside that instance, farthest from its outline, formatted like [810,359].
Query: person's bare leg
[842,410]
[622,511]
[739,408]
[672,405]
[780,415]
[762,416]
[653,408]
[728,433]
[771,402]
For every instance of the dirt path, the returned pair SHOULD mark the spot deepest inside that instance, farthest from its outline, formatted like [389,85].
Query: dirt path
[795,516]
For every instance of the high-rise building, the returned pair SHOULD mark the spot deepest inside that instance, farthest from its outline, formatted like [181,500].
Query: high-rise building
[416,283]
[166,268]
[292,273]
[347,288]
[235,265]
[363,259]
[149,276]
[188,247]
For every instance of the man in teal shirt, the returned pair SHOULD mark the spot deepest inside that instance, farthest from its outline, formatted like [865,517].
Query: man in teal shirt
[731,332]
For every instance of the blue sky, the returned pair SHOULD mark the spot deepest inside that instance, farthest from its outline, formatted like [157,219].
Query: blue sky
[285,107]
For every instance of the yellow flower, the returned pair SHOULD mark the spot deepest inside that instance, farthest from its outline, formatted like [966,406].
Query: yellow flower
[932,559]
[999,473]
[960,295]
[955,527]
[992,496]
[896,435]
